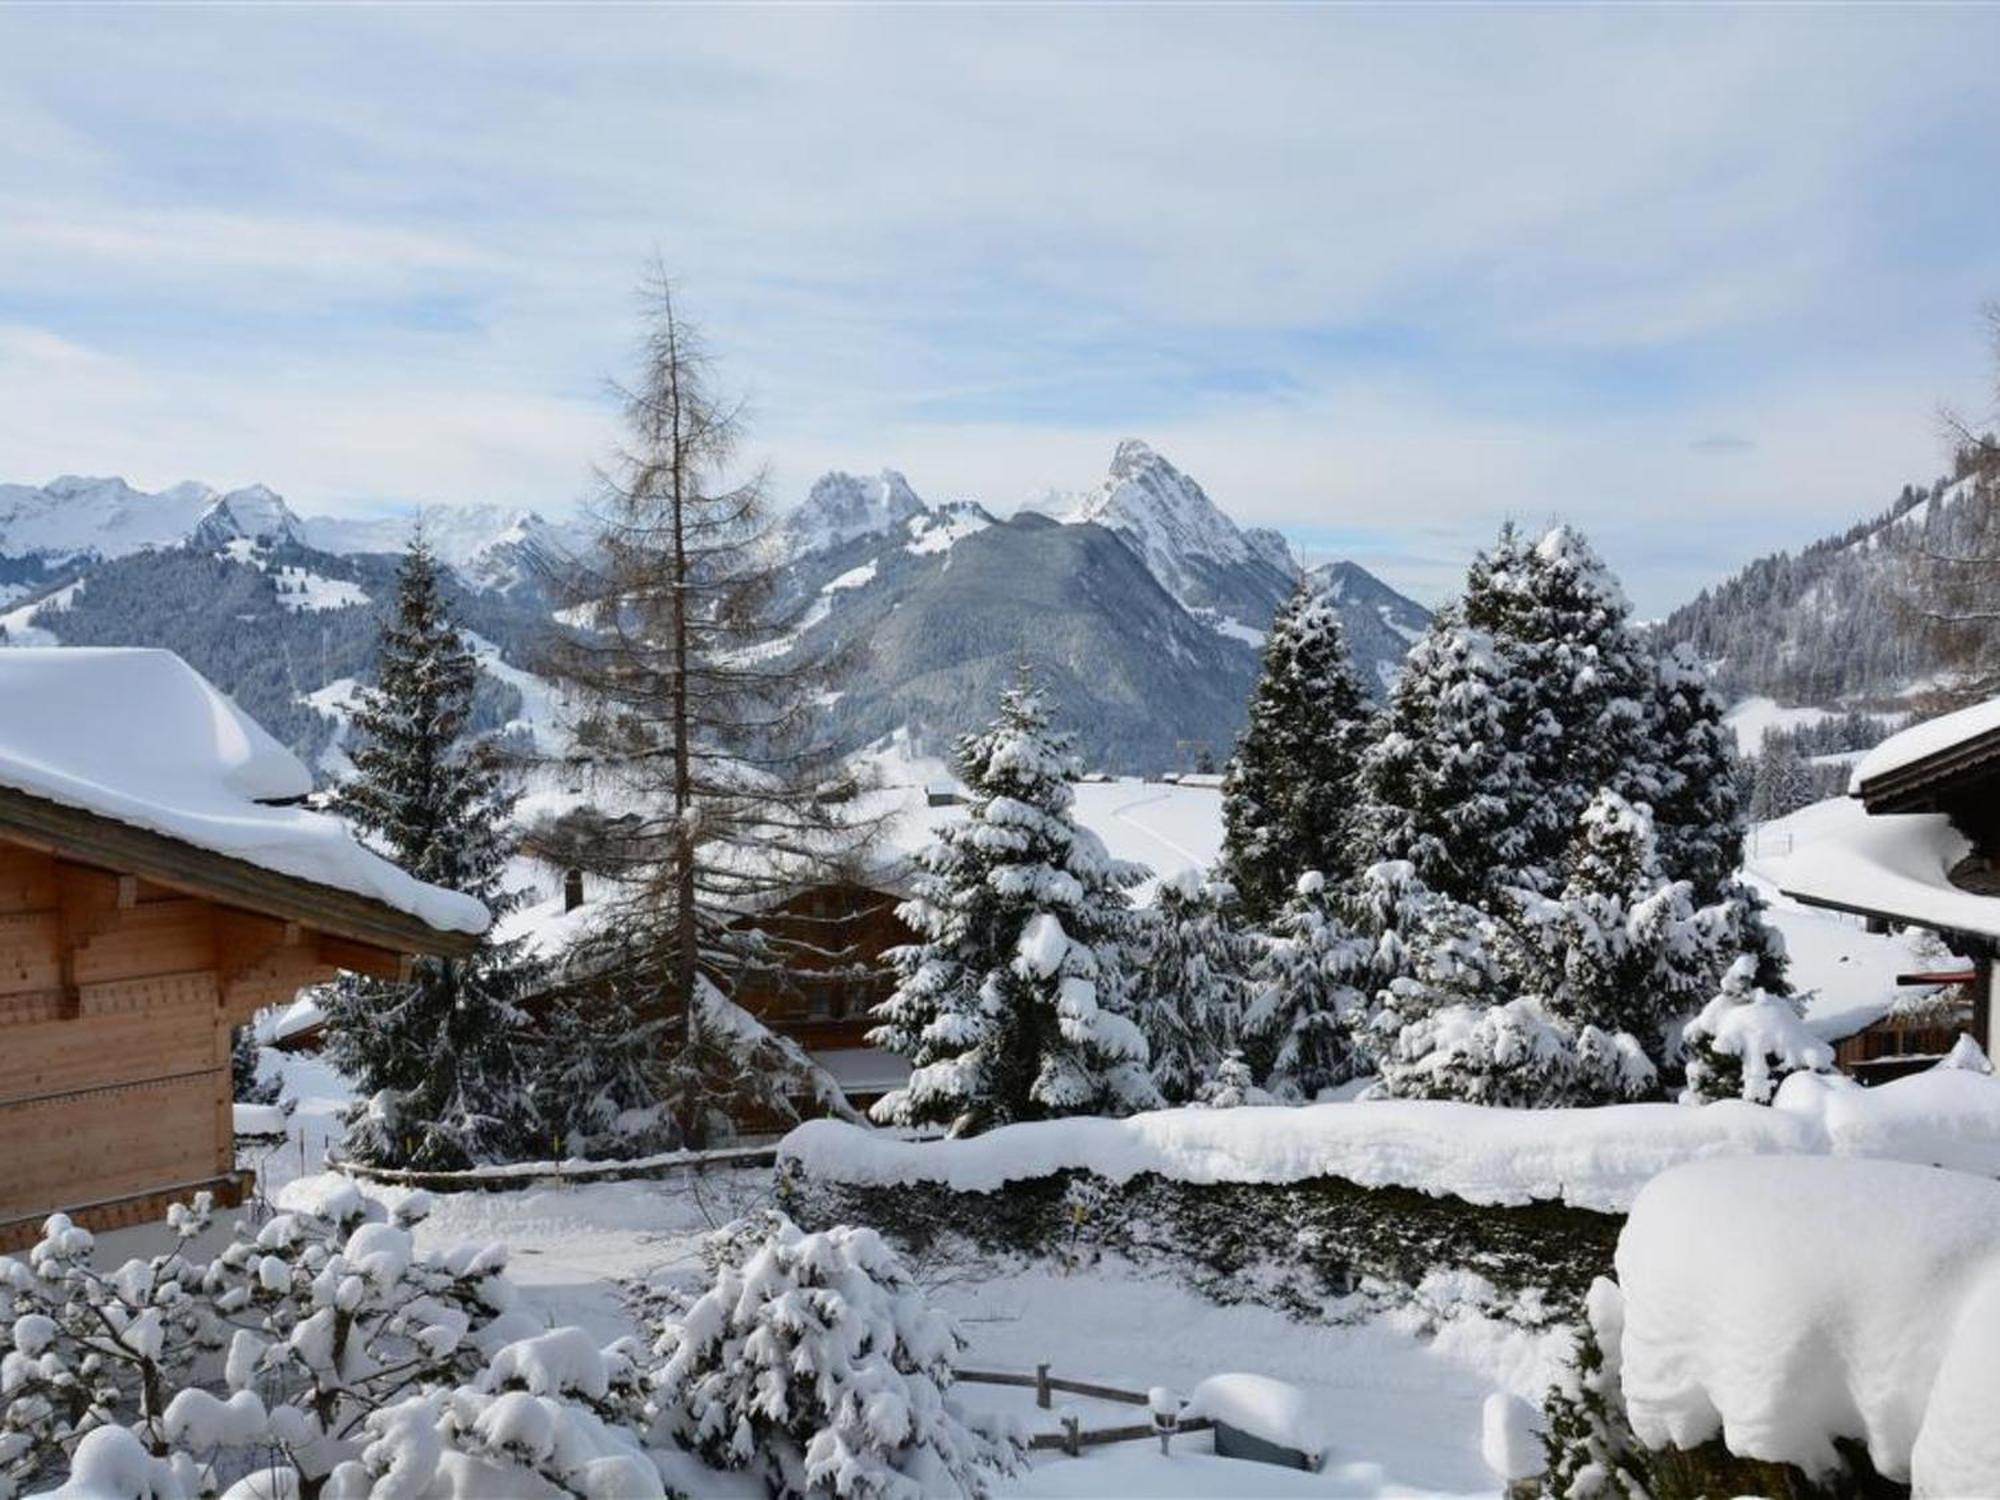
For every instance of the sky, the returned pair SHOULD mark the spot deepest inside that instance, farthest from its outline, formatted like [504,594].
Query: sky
[1695,279]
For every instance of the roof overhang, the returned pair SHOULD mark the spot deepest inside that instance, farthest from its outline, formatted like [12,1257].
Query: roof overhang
[1895,868]
[87,838]
[1929,783]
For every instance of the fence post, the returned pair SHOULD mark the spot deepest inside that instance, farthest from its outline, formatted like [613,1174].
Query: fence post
[1043,1397]
[1072,1426]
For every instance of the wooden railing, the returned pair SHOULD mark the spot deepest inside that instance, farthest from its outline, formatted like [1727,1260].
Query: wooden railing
[1074,1436]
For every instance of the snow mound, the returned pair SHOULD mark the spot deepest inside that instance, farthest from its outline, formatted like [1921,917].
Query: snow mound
[1589,1158]
[1265,1408]
[1784,1304]
[1898,864]
[198,769]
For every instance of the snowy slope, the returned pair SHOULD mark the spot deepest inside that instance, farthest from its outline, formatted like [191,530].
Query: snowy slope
[73,517]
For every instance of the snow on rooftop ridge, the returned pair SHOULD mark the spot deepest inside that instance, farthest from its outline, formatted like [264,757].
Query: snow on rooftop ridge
[138,736]
[1921,741]
[1589,1158]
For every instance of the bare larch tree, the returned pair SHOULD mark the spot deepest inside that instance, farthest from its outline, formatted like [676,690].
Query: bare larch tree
[695,717]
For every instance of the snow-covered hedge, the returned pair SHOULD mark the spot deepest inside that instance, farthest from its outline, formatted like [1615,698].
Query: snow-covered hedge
[1587,1158]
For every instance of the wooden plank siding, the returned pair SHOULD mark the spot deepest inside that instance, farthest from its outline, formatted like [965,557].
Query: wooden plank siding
[117,998]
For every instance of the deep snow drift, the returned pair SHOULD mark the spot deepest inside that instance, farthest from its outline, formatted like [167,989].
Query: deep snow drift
[1783,1304]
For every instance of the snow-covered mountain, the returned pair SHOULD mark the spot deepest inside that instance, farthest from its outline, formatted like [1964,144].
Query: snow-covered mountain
[1140,602]
[73,519]
[841,507]
[1198,554]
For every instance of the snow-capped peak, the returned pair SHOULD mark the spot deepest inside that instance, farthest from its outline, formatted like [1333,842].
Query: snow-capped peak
[256,512]
[76,515]
[841,507]
[1169,520]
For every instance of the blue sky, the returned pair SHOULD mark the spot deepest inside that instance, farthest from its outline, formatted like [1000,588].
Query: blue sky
[1695,279]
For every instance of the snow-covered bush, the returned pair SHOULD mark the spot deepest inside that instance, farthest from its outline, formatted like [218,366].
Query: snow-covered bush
[1304,1022]
[1191,982]
[1587,1443]
[1233,1086]
[279,1362]
[1015,1005]
[1514,1055]
[814,1361]
[1746,1041]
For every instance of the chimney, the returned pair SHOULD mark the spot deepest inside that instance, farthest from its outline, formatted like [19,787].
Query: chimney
[572,889]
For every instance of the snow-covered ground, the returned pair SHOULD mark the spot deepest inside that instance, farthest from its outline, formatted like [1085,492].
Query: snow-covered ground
[1398,1396]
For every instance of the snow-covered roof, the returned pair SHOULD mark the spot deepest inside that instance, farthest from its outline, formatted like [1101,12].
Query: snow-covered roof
[139,737]
[1921,741]
[1895,865]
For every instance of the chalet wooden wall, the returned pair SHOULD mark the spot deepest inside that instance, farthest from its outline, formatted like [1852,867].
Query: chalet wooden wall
[821,1000]
[117,998]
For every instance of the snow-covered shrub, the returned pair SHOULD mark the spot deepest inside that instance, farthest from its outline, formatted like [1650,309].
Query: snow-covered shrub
[1746,1041]
[1233,1085]
[814,1361]
[1587,1443]
[1015,1005]
[1191,982]
[263,1363]
[1304,1024]
[1515,1055]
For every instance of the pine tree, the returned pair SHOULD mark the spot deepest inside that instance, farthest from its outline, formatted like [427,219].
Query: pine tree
[1691,779]
[1014,1006]
[245,1060]
[1305,1025]
[1190,986]
[440,1061]
[1289,794]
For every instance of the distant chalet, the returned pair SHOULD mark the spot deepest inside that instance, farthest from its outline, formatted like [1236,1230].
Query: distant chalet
[1920,849]
[160,880]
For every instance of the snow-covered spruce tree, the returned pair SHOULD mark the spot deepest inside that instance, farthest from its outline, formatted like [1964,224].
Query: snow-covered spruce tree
[691,705]
[1305,1026]
[440,1062]
[1014,1006]
[1579,684]
[1233,1086]
[595,1089]
[1691,779]
[1191,981]
[1289,793]
[1444,792]
[1619,947]
[1747,1040]
[813,1360]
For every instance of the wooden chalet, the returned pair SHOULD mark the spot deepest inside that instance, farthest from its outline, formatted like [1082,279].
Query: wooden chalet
[1920,848]
[142,919]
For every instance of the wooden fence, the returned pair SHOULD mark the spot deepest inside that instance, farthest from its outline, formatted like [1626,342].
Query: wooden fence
[1075,1437]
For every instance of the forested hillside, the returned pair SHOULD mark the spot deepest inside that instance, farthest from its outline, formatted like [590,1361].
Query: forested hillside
[1852,617]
